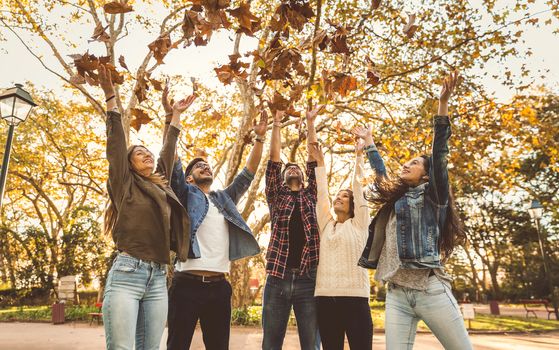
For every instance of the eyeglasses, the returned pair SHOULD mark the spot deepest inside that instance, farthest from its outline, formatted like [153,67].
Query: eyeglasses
[201,165]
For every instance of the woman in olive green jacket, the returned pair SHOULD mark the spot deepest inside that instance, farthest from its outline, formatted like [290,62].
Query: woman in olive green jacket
[146,221]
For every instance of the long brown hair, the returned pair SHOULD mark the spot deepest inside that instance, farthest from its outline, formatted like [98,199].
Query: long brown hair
[111,212]
[351,201]
[386,191]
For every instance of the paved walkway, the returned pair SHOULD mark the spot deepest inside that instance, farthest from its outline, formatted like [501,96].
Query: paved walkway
[45,336]
[516,310]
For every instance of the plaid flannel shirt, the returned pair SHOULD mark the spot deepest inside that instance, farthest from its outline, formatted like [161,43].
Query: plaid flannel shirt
[281,202]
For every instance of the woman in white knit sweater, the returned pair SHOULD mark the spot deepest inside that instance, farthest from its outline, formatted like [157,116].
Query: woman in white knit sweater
[342,287]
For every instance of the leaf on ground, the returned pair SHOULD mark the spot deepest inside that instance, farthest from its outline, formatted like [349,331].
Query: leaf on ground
[117,7]
[140,118]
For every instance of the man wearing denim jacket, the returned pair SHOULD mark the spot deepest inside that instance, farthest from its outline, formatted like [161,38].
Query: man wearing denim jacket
[219,234]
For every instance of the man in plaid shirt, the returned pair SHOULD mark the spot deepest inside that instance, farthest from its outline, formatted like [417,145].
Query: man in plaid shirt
[292,255]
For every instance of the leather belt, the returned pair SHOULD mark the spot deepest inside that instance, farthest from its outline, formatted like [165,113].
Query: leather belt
[203,279]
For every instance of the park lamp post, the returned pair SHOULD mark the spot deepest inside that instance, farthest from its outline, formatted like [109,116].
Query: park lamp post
[536,212]
[15,107]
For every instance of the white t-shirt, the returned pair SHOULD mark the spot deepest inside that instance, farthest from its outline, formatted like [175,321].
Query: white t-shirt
[213,239]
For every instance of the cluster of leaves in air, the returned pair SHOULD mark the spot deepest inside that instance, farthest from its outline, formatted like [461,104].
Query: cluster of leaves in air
[276,62]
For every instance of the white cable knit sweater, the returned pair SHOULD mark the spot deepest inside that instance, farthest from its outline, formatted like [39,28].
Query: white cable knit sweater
[341,244]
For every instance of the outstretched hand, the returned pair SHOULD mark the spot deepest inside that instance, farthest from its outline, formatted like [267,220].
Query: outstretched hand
[448,86]
[278,117]
[362,132]
[165,98]
[313,113]
[105,81]
[260,128]
[181,105]
[315,151]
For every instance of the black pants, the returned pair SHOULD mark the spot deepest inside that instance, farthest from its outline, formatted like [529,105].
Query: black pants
[190,300]
[345,315]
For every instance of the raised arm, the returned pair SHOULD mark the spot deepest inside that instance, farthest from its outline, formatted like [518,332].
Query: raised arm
[375,160]
[275,143]
[311,131]
[116,140]
[167,154]
[438,172]
[323,215]
[273,169]
[256,152]
[167,107]
[361,211]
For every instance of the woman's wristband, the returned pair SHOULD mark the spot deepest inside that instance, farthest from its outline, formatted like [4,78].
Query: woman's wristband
[259,139]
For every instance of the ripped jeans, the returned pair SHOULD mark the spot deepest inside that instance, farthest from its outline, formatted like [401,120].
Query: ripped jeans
[436,306]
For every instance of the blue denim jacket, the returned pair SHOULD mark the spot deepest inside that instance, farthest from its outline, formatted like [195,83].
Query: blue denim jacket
[420,212]
[241,240]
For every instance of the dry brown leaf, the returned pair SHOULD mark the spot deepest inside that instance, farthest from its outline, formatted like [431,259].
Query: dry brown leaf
[99,34]
[140,118]
[375,4]
[123,63]
[410,28]
[160,47]
[248,22]
[116,7]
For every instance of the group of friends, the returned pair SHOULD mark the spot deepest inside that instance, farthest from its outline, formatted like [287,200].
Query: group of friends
[318,255]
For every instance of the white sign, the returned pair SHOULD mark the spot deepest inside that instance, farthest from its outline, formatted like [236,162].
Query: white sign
[468,311]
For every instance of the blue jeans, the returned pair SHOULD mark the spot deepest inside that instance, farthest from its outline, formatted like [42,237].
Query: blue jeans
[135,304]
[436,306]
[280,295]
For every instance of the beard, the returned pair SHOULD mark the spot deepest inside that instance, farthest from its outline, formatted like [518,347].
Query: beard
[203,181]
[293,179]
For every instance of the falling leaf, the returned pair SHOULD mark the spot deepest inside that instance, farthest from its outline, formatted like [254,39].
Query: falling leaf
[140,118]
[373,77]
[293,12]
[342,136]
[235,69]
[343,83]
[248,22]
[141,90]
[198,152]
[122,63]
[410,28]
[375,4]
[99,34]
[157,85]
[216,115]
[160,47]
[338,41]
[247,139]
[116,7]
[279,103]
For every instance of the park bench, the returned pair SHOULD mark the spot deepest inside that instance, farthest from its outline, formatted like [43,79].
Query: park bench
[529,305]
[96,315]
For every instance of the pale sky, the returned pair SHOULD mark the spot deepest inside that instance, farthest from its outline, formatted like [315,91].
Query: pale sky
[19,66]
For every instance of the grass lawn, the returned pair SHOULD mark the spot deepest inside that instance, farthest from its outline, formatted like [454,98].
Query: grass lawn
[44,313]
[251,317]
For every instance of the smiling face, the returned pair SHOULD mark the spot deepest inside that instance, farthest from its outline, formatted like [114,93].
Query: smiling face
[343,203]
[293,173]
[201,174]
[142,160]
[413,173]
